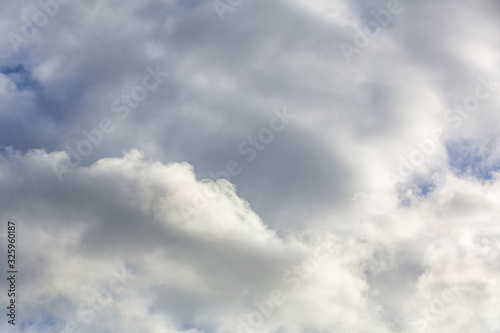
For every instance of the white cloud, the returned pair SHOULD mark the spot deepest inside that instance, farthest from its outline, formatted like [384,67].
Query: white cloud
[119,218]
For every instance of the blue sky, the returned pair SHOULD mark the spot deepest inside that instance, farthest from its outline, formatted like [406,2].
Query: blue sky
[20,77]
[474,159]
[252,166]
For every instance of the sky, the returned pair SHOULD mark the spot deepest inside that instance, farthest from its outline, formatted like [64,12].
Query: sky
[236,166]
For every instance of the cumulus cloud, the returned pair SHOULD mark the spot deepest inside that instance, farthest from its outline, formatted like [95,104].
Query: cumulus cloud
[204,265]
[130,239]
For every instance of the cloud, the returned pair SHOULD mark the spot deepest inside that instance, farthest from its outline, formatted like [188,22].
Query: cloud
[155,240]
[118,240]
[127,213]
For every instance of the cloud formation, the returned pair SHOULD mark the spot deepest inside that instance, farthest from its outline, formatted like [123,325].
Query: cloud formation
[240,166]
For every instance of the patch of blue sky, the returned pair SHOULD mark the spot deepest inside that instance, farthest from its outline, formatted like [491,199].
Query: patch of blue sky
[418,186]
[21,77]
[424,185]
[10,154]
[471,159]
[47,323]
